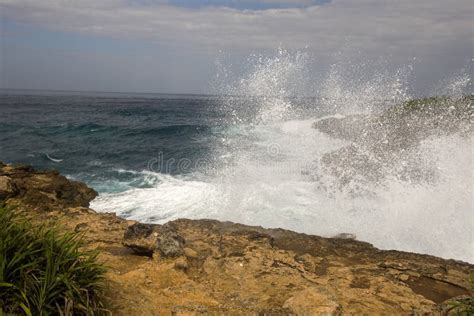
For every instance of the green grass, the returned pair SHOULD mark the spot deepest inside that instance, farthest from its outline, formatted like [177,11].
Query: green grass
[462,306]
[44,272]
[418,104]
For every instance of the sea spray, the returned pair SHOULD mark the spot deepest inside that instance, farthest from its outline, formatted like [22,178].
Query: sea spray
[266,164]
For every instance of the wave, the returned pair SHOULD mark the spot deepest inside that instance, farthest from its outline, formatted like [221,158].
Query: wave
[53,159]
[271,167]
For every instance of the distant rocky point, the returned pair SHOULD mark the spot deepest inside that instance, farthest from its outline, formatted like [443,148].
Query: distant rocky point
[207,267]
[384,144]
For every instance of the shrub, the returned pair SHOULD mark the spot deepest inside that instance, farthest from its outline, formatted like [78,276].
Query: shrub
[44,272]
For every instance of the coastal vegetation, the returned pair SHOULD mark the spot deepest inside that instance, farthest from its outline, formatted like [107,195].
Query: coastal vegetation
[44,272]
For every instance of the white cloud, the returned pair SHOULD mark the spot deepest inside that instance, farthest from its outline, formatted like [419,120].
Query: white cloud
[363,24]
[400,30]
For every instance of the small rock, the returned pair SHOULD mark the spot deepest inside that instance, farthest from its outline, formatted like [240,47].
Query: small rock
[190,253]
[181,264]
[404,277]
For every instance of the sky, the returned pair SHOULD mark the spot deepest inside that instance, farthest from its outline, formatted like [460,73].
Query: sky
[172,46]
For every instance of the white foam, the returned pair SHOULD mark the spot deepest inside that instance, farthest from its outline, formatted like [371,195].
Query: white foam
[270,175]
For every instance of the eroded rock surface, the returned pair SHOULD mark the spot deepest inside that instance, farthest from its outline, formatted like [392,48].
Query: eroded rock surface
[223,268]
[158,240]
[44,190]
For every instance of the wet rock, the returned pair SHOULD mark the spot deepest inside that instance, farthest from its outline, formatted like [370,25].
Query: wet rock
[381,140]
[348,127]
[154,240]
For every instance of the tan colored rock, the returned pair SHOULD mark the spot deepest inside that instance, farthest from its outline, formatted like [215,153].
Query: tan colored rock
[6,188]
[307,261]
[234,269]
[188,252]
[312,301]
[45,190]
[404,277]
[181,264]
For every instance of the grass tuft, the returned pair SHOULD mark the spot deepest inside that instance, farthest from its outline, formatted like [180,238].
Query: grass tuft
[44,272]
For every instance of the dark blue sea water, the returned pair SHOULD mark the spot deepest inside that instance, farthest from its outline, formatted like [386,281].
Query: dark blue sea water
[95,138]
[156,158]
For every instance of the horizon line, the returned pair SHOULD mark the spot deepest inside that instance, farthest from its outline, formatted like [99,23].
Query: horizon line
[111,92]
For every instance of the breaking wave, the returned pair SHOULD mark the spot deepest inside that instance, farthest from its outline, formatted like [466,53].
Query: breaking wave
[269,164]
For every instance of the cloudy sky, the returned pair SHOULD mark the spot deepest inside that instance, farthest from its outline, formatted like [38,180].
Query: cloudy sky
[172,45]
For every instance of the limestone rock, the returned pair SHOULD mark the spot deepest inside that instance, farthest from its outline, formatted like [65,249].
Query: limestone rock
[235,269]
[151,239]
[45,190]
[312,301]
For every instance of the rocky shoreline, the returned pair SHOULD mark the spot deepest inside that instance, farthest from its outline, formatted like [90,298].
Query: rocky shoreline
[207,267]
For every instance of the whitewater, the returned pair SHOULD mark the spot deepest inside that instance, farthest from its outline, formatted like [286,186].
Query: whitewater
[265,165]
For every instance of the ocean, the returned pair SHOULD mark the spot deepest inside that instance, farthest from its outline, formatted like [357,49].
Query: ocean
[253,160]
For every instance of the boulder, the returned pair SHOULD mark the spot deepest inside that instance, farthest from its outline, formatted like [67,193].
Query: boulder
[154,240]
[45,190]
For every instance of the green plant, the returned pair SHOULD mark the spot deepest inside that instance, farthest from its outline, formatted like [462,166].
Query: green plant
[44,272]
[419,104]
[461,306]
